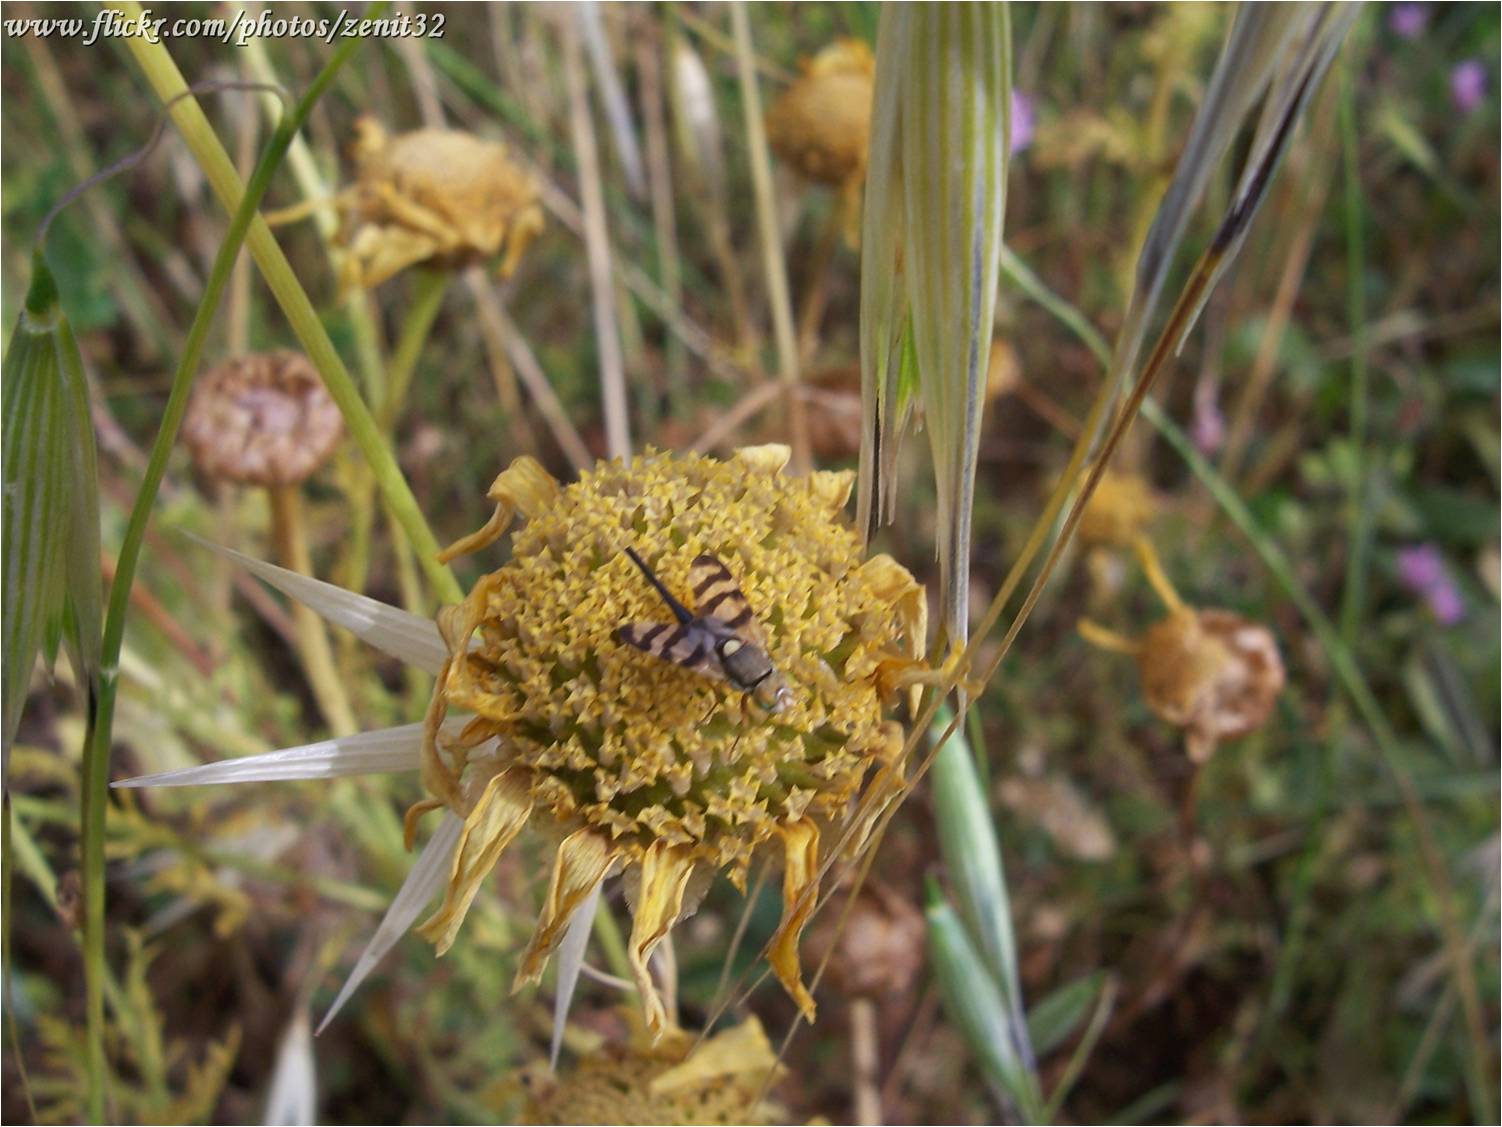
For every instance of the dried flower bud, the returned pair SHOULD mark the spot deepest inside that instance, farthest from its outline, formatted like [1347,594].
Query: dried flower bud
[434,195]
[1117,512]
[1211,672]
[263,419]
[878,951]
[821,124]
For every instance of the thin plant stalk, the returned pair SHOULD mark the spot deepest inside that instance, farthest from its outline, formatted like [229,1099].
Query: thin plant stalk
[1353,595]
[289,525]
[417,324]
[502,373]
[664,221]
[427,299]
[597,248]
[774,264]
[816,296]
[161,72]
[96,754]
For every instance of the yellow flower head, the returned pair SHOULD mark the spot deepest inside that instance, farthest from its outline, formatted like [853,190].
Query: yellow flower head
[669,1081]
[433,195]
[643,765]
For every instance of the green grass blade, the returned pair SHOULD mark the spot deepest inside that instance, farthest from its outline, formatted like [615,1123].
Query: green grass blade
[83,579]
[98,741]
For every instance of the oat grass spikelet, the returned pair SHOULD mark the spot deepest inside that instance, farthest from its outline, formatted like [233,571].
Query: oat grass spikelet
[642,765]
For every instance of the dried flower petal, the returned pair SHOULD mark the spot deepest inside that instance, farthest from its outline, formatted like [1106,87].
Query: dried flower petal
[437,196]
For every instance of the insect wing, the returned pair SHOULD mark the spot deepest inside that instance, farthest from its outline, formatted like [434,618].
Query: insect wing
[718,596]
[688,645]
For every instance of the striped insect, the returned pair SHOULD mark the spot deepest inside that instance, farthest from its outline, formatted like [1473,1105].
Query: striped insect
[722,640]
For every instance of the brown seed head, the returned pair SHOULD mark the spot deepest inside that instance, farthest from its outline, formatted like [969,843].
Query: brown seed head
[1211,672]
[262,419]
[821,124]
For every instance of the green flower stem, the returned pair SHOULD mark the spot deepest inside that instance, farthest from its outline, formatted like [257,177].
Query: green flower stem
[161,72]
[427,299]
[96,753]
[431,285]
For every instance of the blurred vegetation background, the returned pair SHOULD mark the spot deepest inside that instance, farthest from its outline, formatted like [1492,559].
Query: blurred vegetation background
[1266,922]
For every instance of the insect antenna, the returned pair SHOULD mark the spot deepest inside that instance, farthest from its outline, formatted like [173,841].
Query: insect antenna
[680,611]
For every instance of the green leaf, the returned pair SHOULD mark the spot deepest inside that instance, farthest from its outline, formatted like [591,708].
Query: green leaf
[1053,1020]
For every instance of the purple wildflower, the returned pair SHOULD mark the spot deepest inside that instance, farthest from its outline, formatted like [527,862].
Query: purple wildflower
[1420,567]
[1468,85]
[1422,571]
[1408,21]
[1445,603]
[1208,430]
[1024,121]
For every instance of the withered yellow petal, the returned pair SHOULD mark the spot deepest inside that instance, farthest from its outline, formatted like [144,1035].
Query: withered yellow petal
[800,894]
[584,857]
[522,487]
[665,870]
[896,586]
[498,816]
